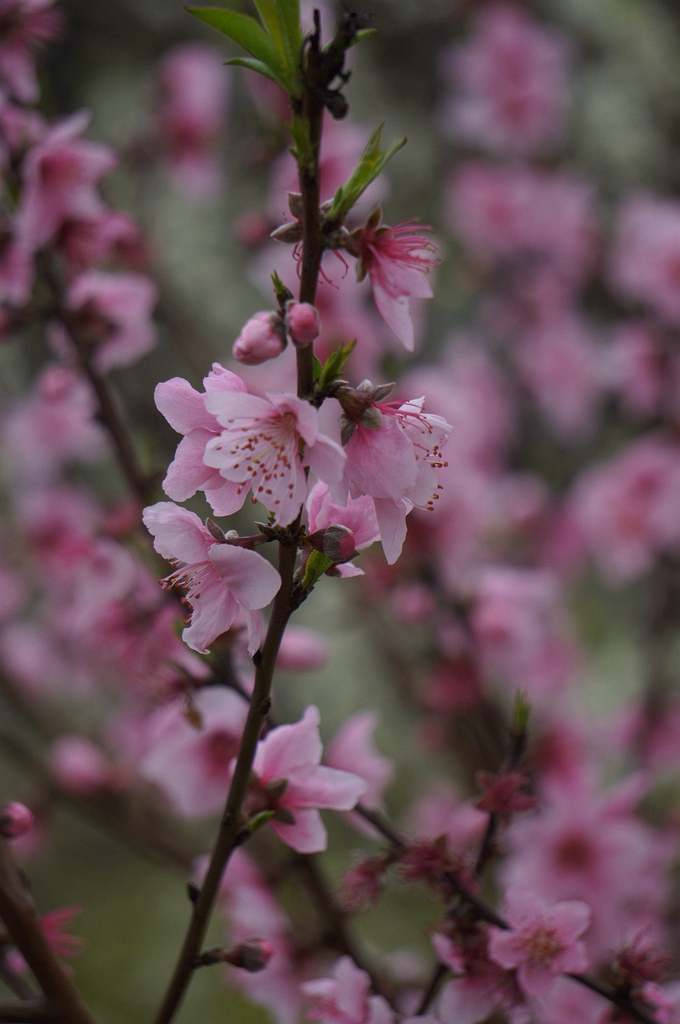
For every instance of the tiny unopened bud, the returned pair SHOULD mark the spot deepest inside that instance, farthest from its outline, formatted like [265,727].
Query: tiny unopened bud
[371,418]
[15,820]
[304,324]
[335,542]
[262,338]
[252,955]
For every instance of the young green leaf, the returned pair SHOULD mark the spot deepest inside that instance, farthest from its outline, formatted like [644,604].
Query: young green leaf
[334,364]
[372,162]
[318,368]
[250,35]
[316,566]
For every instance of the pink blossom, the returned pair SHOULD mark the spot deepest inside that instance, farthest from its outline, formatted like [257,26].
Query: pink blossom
[644,263]
[522,629]
[54,925]
[220,580]
[293,752]
[26,24]
[482,988]
[543,940]
[88,240]
[344,998]
[395,461]
[626,508]
[513,80]
[396,260]
[80,766]
[190,763]
[259,449]
[115,311]
[196,86]
[590,846]
[633,368]
[60,175]
[262,338]
[352,750]
[184,409]
[302,650]
[52,426]
[503,212]
[560,365]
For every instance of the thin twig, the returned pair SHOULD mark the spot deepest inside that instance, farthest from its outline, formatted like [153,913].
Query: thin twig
[20,917]
[340,935]
[438,975]
[229,833]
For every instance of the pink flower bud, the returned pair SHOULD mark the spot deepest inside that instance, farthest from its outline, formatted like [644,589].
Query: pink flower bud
[335,542]
[261,339]
[302,650]
[15,820]
[304,325]
[78,765]
[252,955]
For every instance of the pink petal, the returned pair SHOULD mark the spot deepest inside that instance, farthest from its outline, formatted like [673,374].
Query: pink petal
[289,747]
[465,1001]
[391,516]
[228,406]
[307,835]
[571,919]
[535,981]
[188,473]
[324,787]
[353,985]
[182,406]
[352,750]
[214,612]
[505,948]
[179,535]
[252,580]
[395,312]
[381,1011]
[306,415]
[326,459]
[223,496]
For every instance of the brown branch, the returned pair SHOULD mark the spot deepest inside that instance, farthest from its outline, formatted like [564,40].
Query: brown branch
[15,983]
[339,934]
[230,827]
[37,1011]
[20,917]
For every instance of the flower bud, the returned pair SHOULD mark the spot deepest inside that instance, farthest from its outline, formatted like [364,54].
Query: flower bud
[335,542]
[304,325]
[15,820]
[252,955]
[261,339]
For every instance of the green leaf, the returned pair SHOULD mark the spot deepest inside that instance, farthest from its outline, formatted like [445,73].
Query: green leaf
[303,150]
[249,34]
[372,162]
[360,35]
[316,566]
[254,65]
[289,16]
[334,364]
[258,820]
[318,369]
